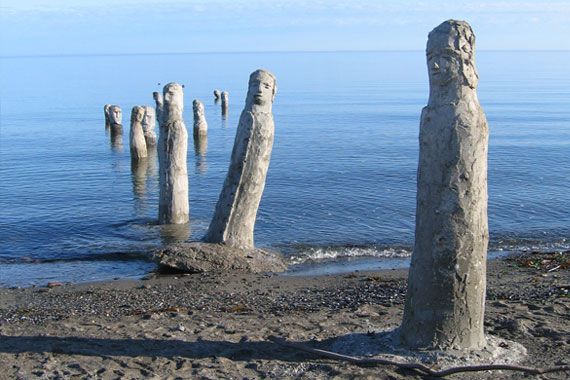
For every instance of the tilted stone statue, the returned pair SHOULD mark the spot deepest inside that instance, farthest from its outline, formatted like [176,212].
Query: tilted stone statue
[172,151]
[148,126]
[216,95]
[445,299]
[225,102]
[115,120]
[234,218]
[136,136]
[159,105]
[107,121]
[200,124]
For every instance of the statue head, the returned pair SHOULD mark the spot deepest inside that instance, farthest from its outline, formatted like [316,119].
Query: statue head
[173,98]
[198,108]
[137,114]
[261,91]
[217,94]
[149,117]
[451,55]
[115,115]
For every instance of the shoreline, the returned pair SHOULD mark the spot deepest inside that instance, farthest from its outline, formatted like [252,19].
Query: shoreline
[216,325]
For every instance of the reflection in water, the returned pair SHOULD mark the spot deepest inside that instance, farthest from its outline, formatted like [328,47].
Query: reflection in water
[200,149]
[152,169]
[116,141]
[139,170]
[173,233]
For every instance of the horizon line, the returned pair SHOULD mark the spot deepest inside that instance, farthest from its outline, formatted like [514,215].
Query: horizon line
[256,52]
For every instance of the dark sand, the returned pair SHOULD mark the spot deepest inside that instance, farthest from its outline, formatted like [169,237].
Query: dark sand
[216,326]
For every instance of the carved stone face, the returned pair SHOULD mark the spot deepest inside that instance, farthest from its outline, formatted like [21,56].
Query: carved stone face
[173,97]
[137,114]
[450,55]
[149,116]
[115,115]
[197,107]
[261,91]
[443,68]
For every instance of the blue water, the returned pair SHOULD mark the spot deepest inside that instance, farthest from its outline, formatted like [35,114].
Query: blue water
[341,184]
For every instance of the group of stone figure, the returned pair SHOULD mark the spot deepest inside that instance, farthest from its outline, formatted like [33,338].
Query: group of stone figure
[234,217]
[446,286]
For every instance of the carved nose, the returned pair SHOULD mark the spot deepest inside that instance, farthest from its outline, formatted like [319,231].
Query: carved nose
[435,66]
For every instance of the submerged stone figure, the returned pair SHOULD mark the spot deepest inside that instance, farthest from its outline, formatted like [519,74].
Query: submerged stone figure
[200,124]
[159,106]
[172,151]
[136,137]
[236,210]
[115,120]
[225,102]
[446,285]
[148,126]
[216,96]
[107,121]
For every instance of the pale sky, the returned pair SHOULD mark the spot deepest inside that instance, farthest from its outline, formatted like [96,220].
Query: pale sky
[51,27]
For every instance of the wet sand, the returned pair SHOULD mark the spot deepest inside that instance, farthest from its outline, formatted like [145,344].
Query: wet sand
[217,326]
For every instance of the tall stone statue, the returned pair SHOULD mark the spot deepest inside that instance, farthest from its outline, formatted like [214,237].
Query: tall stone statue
[234,218]
[216,95]
[172,151]
[136,136]
[107,121]
[200,124]
[115,120]
[225,102]
[159,106]
[148,126]
[446,285]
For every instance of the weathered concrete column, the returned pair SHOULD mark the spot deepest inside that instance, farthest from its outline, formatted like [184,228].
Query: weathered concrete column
[236,210]
[107,121]
[225,102]
[159,106]
[216,95]
[172,150]
[200,124]
[446,285]
[148,126]
[136,135]
[115,120]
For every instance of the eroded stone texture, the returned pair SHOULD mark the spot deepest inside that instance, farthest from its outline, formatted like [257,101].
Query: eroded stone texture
[446,285]
[159,106]
[136,136]
[217,95]
[107,121]
[173,205]
[115,120]
[148,126]
[205,257]
[225,102]
[236,210]
[200,124]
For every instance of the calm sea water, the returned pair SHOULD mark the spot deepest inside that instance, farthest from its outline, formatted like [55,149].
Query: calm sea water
[340,191]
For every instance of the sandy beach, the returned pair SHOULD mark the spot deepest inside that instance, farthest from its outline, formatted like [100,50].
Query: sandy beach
[216,326]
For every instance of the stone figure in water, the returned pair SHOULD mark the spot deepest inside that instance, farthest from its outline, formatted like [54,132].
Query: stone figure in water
[148,126]
[200,124]
[234,218]
[107,120]
[115,120]
[159,106]
[172,151]
[216,95]
[445,299]
[225,103]
[136,137]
